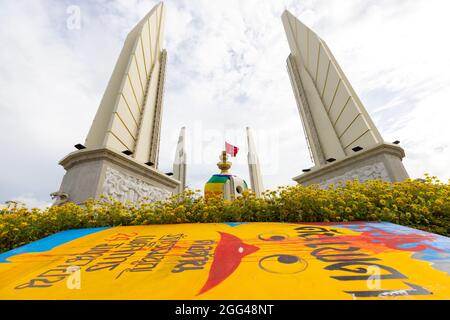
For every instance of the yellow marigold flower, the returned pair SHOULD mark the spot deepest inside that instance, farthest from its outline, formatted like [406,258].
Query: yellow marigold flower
[348,209]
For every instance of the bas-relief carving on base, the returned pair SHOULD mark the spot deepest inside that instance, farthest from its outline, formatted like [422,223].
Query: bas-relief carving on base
[371,172]
[123,188]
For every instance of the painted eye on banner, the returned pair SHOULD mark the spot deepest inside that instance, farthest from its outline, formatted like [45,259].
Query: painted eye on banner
[283,264]
[269,236]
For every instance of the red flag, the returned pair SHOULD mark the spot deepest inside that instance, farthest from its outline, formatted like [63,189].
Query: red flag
[231,150]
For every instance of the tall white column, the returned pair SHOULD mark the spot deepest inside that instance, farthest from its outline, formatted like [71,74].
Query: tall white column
[253,165]
[179,164]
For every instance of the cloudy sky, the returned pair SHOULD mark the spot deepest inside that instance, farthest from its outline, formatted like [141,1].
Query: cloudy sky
[226,70]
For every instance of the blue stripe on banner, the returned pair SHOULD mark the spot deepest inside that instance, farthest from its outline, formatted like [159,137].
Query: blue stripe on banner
[50,242]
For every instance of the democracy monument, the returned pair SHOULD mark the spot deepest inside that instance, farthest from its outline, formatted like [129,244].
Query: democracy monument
[263,253]
[119,158]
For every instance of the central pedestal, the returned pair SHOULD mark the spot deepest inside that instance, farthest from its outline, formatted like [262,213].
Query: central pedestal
[92,173]
[380,162]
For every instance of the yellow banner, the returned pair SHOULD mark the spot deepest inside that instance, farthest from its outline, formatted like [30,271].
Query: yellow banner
[231,261]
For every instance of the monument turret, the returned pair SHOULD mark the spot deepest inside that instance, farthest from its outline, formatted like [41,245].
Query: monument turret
[225,184]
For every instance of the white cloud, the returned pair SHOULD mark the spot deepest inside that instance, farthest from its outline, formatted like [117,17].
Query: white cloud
[226,71]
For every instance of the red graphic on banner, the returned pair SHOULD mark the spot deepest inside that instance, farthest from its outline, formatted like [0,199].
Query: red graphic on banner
[227,257]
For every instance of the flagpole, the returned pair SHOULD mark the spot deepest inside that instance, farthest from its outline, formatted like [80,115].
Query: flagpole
[224,138]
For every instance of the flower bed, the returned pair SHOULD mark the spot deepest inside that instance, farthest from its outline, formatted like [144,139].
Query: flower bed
[419,204]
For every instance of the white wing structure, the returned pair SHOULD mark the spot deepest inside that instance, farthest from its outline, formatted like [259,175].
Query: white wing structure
[119,158]
[129,116]
[333,116]
[343,141]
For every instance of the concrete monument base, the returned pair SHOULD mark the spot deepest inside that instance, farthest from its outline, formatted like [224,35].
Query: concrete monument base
[95,172]
[383,161]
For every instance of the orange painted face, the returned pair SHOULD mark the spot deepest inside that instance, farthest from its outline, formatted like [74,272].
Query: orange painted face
[232,261]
